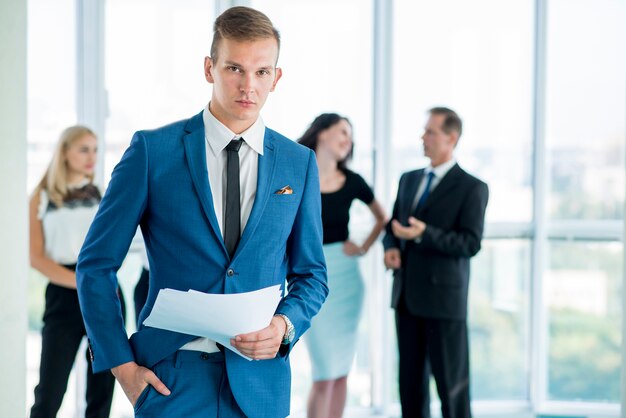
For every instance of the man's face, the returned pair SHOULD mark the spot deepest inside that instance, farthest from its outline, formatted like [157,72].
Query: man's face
[242,76]
[438,145]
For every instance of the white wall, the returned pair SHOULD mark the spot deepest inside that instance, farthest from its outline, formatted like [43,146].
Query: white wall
[13,208]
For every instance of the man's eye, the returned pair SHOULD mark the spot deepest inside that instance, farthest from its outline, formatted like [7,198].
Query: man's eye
[263,72]
[234,69]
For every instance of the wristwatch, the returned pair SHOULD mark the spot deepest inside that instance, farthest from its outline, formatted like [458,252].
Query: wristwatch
[290,332]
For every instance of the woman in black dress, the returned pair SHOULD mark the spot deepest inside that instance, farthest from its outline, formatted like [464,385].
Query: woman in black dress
[331,340]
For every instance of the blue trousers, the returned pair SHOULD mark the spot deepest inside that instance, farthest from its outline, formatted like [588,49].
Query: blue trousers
[199,388]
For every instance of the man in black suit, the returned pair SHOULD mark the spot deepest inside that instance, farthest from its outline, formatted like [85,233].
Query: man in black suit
[437,225]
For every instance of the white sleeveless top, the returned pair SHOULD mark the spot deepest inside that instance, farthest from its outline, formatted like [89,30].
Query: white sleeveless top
[65,227]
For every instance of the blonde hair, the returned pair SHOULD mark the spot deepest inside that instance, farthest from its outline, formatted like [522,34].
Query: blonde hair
[241,23]
[54,181]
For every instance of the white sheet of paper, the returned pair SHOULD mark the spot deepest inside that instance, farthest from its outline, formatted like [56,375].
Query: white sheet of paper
[219,317]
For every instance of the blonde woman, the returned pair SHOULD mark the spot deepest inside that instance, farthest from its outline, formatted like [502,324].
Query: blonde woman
[61,210]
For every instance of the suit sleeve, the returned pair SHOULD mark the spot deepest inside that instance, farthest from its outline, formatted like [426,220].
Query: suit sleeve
[390,241]
[102,254]
[464,240]
[306,275]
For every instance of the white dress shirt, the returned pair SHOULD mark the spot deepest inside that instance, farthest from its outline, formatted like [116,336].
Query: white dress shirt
[217,138]
[440,171]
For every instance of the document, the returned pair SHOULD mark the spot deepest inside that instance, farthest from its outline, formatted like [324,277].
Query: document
[218,317]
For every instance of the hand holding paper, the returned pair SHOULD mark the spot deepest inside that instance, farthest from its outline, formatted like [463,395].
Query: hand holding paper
[263,344]
[219,317]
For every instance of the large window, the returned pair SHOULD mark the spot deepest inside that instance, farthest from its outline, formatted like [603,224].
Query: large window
[547,133]
[499,320]
[559,243]
[51,103]
[585,142]
[583,290]
[477,58]
[51,108]
[586,104]
[154,66]
[326,60]
[51,80]
[326,49]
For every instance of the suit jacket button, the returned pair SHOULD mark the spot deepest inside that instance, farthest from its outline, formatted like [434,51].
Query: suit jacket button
[230,272]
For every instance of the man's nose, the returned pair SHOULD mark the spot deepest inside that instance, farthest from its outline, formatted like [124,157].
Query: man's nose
[247,83]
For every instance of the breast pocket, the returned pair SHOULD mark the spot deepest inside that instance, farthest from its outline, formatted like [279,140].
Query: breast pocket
[280,211]
[284,198]
[282,205]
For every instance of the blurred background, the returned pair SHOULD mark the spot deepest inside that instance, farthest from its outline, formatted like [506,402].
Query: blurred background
[541,88]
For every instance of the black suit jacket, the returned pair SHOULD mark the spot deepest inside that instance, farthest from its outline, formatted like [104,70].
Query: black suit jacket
[435,271]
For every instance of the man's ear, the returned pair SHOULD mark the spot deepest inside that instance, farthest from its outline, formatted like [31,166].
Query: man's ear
[279,74]
[454,138]
[208,68]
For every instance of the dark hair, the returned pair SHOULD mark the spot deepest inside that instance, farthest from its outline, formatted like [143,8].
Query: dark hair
[321,123]
[452,121]
[242,24]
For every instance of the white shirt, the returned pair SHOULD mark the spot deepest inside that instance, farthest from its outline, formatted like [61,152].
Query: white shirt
[440,171]
[65,228]
[218,137]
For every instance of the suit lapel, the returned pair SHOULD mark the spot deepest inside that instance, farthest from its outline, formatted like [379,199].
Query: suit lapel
[411,191]
[267,164]
[195,153]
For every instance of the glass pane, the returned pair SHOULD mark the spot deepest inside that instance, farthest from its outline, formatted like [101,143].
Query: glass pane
[477,58]
[326,60]
[154,66]
[582,293]
[498,323]
[499,320]
[51,108]
[51,80]
[324,69]
[586,108]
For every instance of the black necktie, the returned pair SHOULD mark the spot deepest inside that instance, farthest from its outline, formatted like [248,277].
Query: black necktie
[426,192]
[232,218]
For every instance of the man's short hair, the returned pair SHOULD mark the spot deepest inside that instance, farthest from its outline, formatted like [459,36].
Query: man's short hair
[451,122]
[242,24]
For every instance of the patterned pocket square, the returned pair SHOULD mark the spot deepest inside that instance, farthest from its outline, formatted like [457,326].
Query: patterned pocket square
[284,190]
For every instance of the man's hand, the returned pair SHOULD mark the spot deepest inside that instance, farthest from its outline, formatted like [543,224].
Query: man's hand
[414,230]
[134,379]
[392,258]
[263,344]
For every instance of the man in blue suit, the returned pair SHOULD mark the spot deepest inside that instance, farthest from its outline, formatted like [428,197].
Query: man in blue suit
[225,205]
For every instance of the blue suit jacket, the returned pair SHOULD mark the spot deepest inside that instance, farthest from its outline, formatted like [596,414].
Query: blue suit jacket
[161,183]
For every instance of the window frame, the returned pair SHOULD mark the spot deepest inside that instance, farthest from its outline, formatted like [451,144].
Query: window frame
[92,110]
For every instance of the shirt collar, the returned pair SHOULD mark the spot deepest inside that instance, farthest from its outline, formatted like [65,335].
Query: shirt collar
[442,169]
[80,184]
[218,135]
